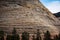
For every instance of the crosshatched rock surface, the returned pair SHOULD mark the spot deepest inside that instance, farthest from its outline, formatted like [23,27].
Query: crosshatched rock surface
[26,15]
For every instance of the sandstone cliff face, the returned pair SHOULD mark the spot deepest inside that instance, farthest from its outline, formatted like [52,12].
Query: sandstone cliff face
[26,15]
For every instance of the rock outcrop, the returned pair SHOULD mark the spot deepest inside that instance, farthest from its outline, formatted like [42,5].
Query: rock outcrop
[26,15]
[57,14]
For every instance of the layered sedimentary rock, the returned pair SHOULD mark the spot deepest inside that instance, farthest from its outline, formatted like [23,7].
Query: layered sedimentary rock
[26,15]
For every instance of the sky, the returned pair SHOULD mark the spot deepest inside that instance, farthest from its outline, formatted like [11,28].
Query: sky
[52,5]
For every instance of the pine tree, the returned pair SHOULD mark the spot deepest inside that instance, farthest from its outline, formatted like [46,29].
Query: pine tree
[9,37]
[25,36]
[33,37]
[59,36]
[47,36]
[14,31]
[38,37]
[15,36]
[1,35]
[56,37]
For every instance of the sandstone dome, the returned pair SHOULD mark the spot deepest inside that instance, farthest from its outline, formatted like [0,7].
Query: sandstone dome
[26,15]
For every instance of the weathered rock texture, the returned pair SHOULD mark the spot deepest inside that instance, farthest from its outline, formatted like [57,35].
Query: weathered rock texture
[26,15]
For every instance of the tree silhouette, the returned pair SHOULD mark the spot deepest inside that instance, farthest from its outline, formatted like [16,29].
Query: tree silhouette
[1,35]
[59,36]
[14,35]
[56,37]
[33,37]
[47,36]
[25,36]
[14,31]
[9,37]
[38,37]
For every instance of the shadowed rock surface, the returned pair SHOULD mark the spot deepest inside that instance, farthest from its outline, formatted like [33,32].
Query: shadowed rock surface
[26,15]
[57,14]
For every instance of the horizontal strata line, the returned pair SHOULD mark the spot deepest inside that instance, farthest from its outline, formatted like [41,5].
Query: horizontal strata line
[21,25]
